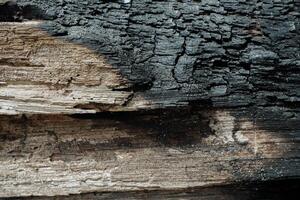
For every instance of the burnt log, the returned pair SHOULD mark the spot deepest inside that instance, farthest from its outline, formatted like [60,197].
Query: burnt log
[119,96]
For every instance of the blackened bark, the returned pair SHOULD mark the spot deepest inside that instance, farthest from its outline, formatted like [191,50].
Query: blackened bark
[180,94]
[231,53]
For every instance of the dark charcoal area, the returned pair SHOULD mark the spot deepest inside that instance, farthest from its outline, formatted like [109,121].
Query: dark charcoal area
[10,11]
[231,53]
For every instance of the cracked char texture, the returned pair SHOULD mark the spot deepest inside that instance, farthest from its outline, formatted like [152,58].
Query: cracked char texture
[239,56]
[225,52]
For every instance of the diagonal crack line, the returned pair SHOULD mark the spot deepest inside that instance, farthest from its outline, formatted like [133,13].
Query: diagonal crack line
[182,53]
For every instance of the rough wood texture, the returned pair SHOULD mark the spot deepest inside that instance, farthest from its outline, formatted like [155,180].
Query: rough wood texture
[60,155]
[149,54]
[41,74]
[99,96]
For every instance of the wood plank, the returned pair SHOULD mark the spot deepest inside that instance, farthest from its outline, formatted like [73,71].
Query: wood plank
[53,155]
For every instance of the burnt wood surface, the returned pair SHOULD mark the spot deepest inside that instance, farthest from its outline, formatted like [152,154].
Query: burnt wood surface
[134,95]
[169,53]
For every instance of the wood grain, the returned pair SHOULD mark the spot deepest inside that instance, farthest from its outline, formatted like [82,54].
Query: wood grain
[53,155]
[43,74]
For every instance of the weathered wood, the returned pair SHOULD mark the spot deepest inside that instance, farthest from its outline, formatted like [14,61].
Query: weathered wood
[149,54]
[99,96]
[60,155]
[42,74]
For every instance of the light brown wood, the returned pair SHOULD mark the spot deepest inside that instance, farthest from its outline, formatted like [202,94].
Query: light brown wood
[43,74]
[45,155]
